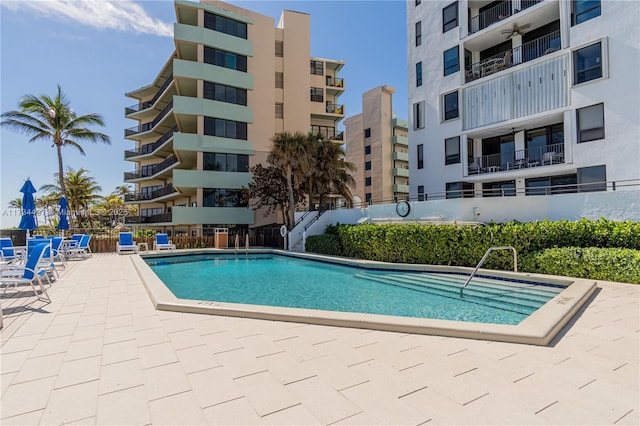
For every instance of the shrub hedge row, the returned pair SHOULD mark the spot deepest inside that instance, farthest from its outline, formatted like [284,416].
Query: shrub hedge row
[465,245]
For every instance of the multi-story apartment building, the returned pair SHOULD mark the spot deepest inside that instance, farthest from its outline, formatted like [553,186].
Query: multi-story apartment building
[377,144]
[234,80]
[518,97]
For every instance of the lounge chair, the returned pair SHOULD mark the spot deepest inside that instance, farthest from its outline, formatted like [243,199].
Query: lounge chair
[162,242]
[46,261]
[7,251]
[126,243]
[28,273]
[82,249]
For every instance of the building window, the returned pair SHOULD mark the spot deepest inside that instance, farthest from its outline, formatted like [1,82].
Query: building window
[551,185]
[419,74]
[279,48]
[279,80]
[225,59]
[583,10]
[459,190]
[222,93]
[367,165]
[225,25]
[418,2]
[367,197]
[317,67]
[451,62]
[420,156]
[225,128]
[367,133]
[225,162]
[499,189]
[418,33]
[452,150]
[590,123]
[450,101]
[367,181]
[367,149]
[587,63]
[591,179]
[317,94]
[450,17]
[221,197]
[421,193]
[279,110]
[418,115]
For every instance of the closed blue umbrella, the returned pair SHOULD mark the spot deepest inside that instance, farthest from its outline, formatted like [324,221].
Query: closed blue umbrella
[62,222]
[28,219]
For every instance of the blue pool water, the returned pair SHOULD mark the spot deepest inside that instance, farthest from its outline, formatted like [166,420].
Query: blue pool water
[275,280]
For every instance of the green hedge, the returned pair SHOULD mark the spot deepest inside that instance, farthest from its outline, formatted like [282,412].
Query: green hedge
[611,264]
[465,245]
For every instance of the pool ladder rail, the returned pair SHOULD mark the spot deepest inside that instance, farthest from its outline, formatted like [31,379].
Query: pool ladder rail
[515,262]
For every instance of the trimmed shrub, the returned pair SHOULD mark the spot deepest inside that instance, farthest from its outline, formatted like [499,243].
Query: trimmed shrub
[611,264]
[465,245]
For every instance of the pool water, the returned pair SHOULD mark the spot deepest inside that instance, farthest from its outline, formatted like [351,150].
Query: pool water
[276,280]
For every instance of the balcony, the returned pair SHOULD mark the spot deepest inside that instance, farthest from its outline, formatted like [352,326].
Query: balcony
[515,160]
[520,54]
[335,109]
[156,218]
[335,82]
[401,156]
[148,104]
[145,127]
[151,171]
[160,192]
[151,147]
[497,13]
[327,132]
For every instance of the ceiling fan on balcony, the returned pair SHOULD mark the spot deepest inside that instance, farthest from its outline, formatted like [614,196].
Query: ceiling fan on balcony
[516,30]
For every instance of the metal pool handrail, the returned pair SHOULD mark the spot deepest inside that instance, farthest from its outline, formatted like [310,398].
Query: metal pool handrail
[515,262]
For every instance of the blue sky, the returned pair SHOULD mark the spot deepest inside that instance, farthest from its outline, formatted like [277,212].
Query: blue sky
[98,50]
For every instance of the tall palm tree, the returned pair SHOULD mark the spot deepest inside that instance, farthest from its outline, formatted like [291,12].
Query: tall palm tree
[333,172]
[122,190]
[53,120]
[16,203]
[81,192]
[290,154]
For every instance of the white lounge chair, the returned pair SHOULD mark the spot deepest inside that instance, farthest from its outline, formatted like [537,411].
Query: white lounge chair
[125,243]
[162,242]
[29,273]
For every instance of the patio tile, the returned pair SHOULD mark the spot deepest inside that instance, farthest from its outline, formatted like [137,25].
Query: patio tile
[151,336]
[5,381]
[58,330]
[25,397]
[155,355]
[88,332]
[214,386]
[120,375]
[296,415]
[71,403]
[27,419]
[84,349]
[125,407]
[119,351]
[165,380]
[39,368]
[119,321]
[79,371]
[265,393]
[197,358]
[235,412]
[19,343]
[185,339]
[11,362]
[51,346]
[176,409]
[119,334]
[324,402]
[334,373]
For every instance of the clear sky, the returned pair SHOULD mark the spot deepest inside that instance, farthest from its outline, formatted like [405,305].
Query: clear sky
[99,50]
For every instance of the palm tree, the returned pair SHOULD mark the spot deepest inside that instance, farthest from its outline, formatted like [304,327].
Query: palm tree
[81,192]
[290,154]
[16,203]
[332,171]
[53,120]
[122,190]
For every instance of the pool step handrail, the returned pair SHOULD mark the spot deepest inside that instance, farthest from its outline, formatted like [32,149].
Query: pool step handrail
[515,262]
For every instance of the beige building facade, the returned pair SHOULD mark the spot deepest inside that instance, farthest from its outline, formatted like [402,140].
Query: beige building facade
[376,142]
[234,80]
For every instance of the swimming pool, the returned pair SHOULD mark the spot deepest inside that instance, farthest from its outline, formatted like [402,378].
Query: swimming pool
[408,298]
[277,280]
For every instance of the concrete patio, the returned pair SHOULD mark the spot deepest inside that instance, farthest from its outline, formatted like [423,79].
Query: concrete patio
[101,354]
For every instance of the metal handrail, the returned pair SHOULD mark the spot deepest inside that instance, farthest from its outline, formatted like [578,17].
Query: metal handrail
[515,262]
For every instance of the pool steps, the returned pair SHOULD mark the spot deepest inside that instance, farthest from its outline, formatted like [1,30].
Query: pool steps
[520,298]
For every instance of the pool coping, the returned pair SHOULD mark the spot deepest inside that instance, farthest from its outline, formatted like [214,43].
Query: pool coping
[537,329]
